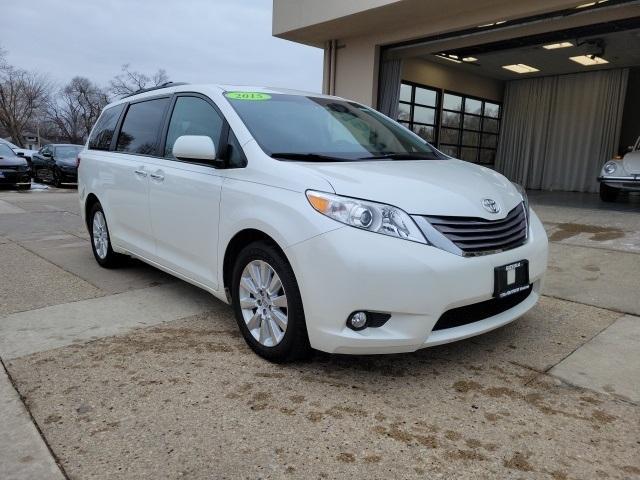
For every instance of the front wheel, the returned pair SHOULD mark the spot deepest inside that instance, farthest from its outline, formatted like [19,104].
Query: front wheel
[100,240]
[607,193]
[267,304]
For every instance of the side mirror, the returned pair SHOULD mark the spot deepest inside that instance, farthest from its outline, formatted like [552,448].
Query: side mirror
[47,154]
[194,147]
[20,154]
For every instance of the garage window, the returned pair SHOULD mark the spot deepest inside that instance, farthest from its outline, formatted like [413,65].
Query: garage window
[419,110]
[460,125]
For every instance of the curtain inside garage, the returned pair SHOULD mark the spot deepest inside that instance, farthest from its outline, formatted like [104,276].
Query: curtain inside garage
[389,87]
[558,131]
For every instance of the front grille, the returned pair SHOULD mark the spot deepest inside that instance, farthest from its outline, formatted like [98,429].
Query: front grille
[475,236]
[480,311]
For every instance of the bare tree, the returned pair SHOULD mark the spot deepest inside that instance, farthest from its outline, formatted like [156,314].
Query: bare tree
[76,108]
[130,81]
[22,94]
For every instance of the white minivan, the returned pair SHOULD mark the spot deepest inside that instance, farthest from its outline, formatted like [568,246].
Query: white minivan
[324,223]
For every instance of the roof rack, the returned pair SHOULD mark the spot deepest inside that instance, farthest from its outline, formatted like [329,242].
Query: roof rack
[157,87]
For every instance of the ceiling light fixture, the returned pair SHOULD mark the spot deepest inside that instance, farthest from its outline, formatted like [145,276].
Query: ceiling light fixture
[589,60]
[469,59]
[500,22]
[585,5]
[448,57]
[520,68]
[554,46]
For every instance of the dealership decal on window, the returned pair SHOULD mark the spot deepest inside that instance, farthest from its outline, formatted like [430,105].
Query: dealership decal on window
[255,96]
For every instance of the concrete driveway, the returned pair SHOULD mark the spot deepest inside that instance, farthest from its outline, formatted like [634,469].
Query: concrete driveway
[132,374]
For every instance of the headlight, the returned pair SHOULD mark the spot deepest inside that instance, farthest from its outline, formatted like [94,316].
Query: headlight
[523,193]
[371,216]
[610,168]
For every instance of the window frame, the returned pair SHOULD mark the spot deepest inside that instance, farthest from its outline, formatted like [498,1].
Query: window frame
[412,104]
[440,110]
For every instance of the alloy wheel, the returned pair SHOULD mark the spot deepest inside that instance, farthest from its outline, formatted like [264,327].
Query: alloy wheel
[100,235]
[263,303]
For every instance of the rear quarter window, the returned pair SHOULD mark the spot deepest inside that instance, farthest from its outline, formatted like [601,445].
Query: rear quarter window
[102,133]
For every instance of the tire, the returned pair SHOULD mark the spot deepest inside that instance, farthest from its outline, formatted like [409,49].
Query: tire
[607,193]
[55,174]
[101,245]
[276,345]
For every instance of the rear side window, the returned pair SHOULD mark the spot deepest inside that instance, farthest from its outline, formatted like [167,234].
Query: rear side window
[193,116]
[103,131]
[141,127]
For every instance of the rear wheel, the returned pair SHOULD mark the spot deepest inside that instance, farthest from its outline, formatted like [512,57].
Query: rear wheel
[267,304]
[607,193]
[100,240]
[57,178]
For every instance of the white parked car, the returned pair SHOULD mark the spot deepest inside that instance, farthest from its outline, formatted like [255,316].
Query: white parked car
[324,223]
[624,175]
[21,152]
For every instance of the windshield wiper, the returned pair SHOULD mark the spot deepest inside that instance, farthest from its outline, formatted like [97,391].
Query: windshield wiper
[307,157]
[402,156]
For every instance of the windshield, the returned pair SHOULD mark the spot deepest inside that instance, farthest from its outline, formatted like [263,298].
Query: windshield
[5,151]
[11,145]
[68,152]
[296,127]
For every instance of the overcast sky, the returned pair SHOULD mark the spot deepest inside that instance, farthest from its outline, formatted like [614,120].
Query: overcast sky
[217,41]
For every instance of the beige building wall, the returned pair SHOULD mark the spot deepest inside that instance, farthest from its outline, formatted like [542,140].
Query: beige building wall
[447,78]
[361,28]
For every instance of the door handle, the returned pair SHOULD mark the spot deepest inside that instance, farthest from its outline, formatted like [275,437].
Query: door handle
[157,177]
[140,173]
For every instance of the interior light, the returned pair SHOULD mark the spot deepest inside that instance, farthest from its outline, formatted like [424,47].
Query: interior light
[469,59]
[447,57]
[520,68]
[554,46]
[500,22]
[589,60]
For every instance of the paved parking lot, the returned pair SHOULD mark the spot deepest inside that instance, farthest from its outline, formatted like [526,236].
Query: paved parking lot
[133,374]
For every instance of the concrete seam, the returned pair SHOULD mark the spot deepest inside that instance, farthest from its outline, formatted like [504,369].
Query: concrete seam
[33,420]
[609,309]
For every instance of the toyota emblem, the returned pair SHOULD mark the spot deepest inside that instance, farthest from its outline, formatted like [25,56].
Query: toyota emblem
[490,205]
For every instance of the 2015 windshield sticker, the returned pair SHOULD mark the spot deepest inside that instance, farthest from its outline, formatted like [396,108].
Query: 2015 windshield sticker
[252,96]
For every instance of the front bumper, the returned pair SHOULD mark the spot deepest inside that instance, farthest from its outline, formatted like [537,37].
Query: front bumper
[631,182]
[347,269]
[14,177]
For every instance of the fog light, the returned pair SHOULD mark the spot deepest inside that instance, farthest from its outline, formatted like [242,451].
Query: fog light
[357,321]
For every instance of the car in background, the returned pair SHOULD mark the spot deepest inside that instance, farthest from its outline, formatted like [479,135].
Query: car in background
[21,152]
[14,170]
[621,175]
[56,163]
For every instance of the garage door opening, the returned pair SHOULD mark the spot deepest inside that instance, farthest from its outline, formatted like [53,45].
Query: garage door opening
[547,109]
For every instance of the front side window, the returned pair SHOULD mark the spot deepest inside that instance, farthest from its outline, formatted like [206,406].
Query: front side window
[103,131]
[141,127]
[192,116]
[290,126]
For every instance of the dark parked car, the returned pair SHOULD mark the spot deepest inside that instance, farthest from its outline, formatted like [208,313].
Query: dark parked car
[14,170]
[56,163]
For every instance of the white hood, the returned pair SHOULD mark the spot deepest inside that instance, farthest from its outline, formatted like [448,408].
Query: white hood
[631,162]
[423,187]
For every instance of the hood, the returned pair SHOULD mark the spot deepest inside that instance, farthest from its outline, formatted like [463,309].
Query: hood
[423,187]
[12,161]
[631,162]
